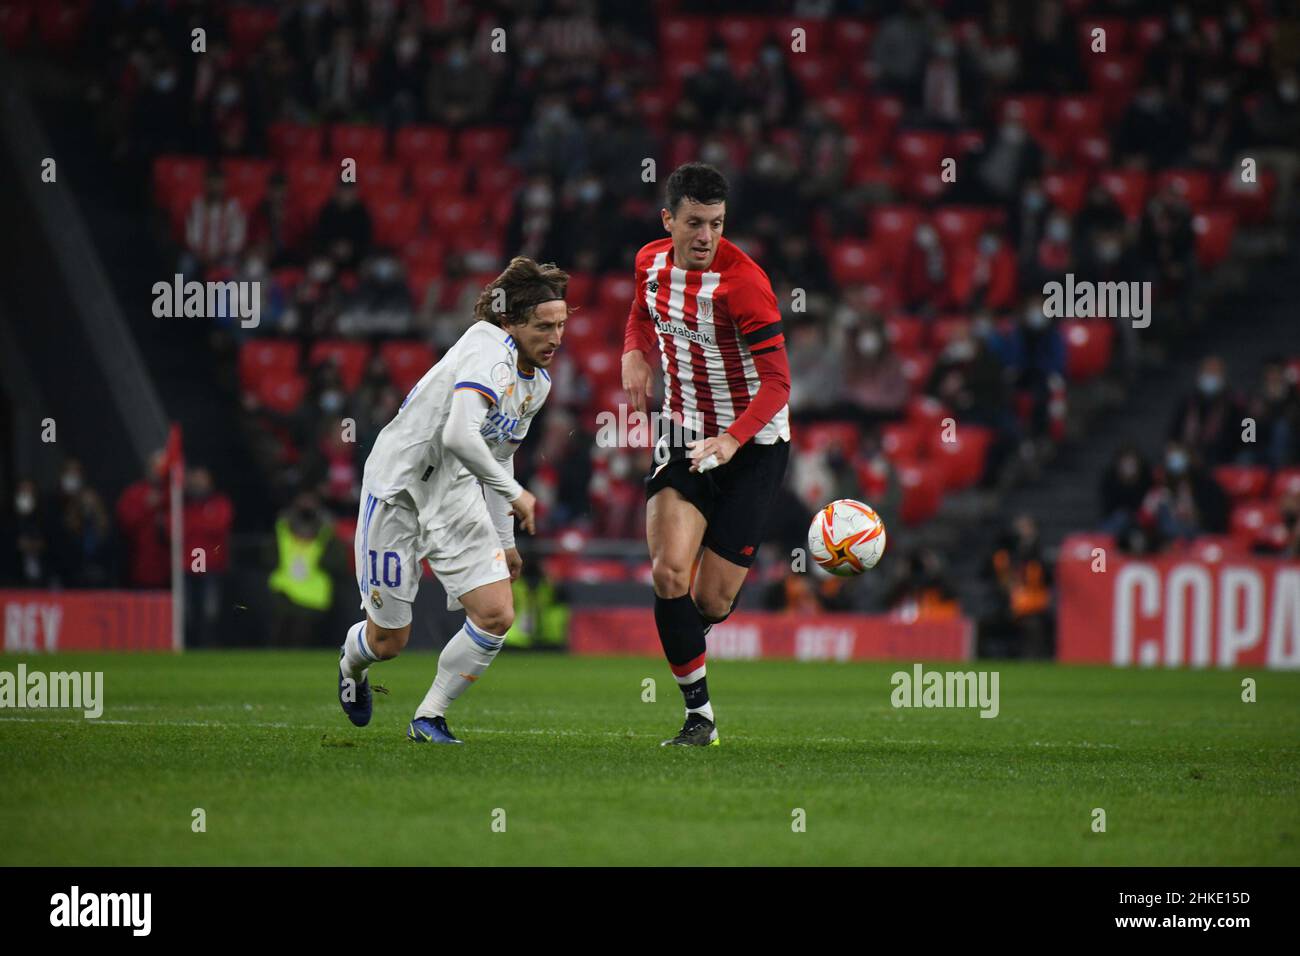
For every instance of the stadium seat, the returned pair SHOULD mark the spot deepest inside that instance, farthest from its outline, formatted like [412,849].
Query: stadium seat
[1195,186]
[1091,151]
[1242,482]
[483,145]
[1078,115]
[743,36]
[1128,187]
[406,361]
[816,77]
[1088,346]
[960,225]
[1030,110]
[1256,523]
[1067,190]
[945,328]
[902,441]
[263,358]
[820,436]
[1251,202]
[60,24]
[851,39]
[248,26]
[247,179]
[281,393]
[1286,482]
[920,150]
[922,491]
[962,459]
[441,179]
[581,287]
[177,179]
[292,143]
[855,260]
[1114,77]
[395,221]
[917,369]
[905,333]
[967,141]
[654,105]
[845,109]
[459,218]
[885,112]
[349,357]
[421,144]
[1214,230]
[1147,32]
[423,252]
[365,144]
[492,182]
[892,228]
[614,294]
[685,35]
[378,180]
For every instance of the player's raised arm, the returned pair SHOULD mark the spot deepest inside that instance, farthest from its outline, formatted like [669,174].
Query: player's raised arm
[638,345]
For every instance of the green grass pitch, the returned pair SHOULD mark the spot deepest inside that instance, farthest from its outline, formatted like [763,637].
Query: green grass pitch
[1186,772]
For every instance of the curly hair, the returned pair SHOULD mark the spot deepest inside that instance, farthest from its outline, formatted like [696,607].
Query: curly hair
[524,285]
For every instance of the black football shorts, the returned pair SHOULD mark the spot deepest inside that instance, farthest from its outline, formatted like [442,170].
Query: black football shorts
[735,499]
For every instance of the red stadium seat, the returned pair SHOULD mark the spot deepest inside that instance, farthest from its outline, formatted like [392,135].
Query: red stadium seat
[395,221]
[905,334]
[458,216]
[1242,482]
[1129,188]
[365,144]
[851,39]
[418,279]
[855,260]
[443,179]
[281,393]
[817,78]
[1286,482]
[1067,190]
[483,145]
[1195,186]
[966,141]
[1088,346]
[820,436]
[743,36]
[580,290]
[60,24]
[920,149]
[946,328]
[247,179]
[614,294]
[380,180]
[1091,151]
[1030,110]
[349,357]
[492,182]
[1252,202]
[922,491]
[902,441]
[885,112]
[406,362]
[177,179]
[685,35]
[310,187]
[1256,523]
[262,358]
[963,457]
[424,253]
[421,144]
[892,228]
[1147,32]
[960,225]
[1214,230]
[927,412]
[1078,115]
[846,109]
[917,369]
[248,26]
[292,143]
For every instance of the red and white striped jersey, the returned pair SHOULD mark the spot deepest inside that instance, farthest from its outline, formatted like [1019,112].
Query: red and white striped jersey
[709,326]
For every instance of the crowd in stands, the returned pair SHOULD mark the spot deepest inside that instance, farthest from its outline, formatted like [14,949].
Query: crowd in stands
[911,290]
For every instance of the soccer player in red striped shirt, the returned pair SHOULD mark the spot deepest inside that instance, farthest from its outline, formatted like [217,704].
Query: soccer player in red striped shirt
[723,437]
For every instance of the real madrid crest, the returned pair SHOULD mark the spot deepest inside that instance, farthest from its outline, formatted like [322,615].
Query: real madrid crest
[375,600]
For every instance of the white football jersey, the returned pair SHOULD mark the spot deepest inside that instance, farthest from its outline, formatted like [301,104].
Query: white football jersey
[409,456]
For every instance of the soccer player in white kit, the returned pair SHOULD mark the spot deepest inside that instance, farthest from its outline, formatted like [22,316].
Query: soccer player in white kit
[439,485]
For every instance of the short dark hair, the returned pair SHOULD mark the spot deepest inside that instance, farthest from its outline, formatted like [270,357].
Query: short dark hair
[698,181]
[526,285]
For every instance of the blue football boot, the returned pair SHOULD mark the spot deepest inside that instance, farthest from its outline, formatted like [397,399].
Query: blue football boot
[431,730]
[360,709]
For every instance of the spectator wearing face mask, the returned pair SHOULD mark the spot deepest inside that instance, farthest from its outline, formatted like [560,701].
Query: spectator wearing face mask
[1124,486]
[924,271]
[28,563]
[985,276]
[1186,501]
[82,538]
[875,388]
[1034,354]
[1208,421]
[1053,254]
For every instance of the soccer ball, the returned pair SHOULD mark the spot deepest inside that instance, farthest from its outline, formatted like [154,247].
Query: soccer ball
[846,538]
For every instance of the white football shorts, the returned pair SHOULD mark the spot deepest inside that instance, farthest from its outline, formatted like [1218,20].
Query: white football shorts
[390,543]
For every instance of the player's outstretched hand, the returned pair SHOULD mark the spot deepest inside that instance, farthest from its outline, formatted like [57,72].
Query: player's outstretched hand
[636,379]
[524,507]
[708,453]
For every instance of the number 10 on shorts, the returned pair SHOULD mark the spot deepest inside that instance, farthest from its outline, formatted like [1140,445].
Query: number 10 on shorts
[392,571]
